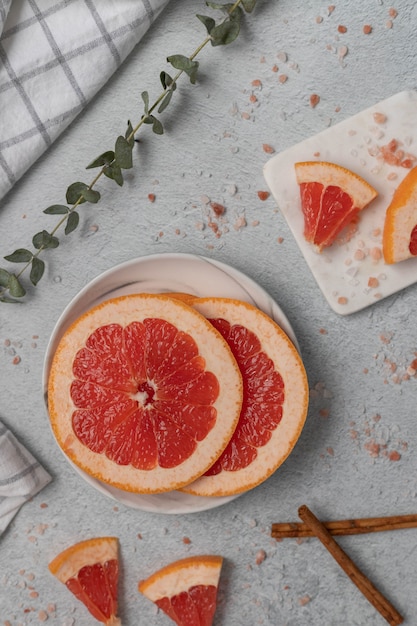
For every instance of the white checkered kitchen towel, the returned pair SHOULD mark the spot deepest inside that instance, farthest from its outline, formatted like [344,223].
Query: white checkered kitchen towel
[54,57]
[21,476]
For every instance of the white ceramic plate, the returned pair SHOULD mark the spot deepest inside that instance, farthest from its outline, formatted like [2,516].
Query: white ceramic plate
[157,274]
[343,272]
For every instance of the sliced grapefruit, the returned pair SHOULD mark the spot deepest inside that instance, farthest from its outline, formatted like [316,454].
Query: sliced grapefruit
[186,590]
[331,198]
[275,398]
[399,240]
[144,393]
[90,570]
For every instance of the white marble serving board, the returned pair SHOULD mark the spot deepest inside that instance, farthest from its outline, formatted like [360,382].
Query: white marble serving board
[344,270]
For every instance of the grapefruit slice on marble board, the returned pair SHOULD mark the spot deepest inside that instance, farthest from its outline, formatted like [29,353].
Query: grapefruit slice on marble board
[331,199]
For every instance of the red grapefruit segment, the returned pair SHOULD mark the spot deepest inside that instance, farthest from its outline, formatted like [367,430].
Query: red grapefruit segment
[331,198]
[90,570]
[399,241]
[275,398]
[186,590]
[144,393]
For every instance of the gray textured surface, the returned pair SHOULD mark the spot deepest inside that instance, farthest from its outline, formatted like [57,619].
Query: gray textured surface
[358,401]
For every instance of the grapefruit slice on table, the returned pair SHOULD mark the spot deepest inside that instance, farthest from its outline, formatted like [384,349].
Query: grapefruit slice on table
[144,393]
[399,241]
[331,199]
[186,590]
[275,398]
[90,570]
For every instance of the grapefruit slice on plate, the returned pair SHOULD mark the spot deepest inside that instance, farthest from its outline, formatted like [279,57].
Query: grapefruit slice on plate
[399,241]
[186,590]
[275,398]
[90,570]
[331,198]
[143,393]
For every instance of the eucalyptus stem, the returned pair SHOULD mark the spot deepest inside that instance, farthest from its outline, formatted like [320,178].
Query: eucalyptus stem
[112,163]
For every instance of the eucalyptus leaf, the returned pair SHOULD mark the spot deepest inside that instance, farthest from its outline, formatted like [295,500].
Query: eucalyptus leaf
[91,195]
[72,222]
[43,239]
[114,172]
[129,134]
[74,193]
[225,33]
[183,63]
[123,152]
[100,161]
[37,270]
[56,209]
[157,127]
[145,98]
[21,255]
[208,22]
[167,81]
[15,288]
[165,102]
[4,277]
[219,6]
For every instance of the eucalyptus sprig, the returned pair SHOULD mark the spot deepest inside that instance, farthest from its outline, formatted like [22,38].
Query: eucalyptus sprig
[113,163]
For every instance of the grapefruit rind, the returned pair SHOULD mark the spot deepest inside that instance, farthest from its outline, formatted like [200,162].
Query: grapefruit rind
[332,174]
[400,220]
[287,361]
[181,575]
[218,359]
[68,563]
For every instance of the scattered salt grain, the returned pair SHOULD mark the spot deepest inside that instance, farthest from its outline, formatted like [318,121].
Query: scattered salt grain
[314,100]
[260,557]
[342,52]
[263,195]
[379,118]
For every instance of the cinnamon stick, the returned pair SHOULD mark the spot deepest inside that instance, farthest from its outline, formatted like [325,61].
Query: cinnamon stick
[371,593]
[346,527]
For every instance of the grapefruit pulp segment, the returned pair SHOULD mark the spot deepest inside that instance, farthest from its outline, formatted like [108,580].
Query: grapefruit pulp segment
[399,241]
[186,590]
[90,570]
[275,398]
[331,198]
[143,393]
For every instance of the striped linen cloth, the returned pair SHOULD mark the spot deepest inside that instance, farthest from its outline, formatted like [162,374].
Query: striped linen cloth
[55,55]
[21,476]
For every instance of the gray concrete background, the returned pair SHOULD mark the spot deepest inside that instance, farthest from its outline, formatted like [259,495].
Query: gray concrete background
[357,453]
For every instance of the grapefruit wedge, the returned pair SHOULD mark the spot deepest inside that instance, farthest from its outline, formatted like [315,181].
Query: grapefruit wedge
[275,398]
[399,240]
[90,570]
[331,198]
[143,393]
[186,590]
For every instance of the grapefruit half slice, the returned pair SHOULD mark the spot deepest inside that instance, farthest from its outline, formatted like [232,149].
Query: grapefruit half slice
[143,393]
[90,570]
[331,198]
[275,398]
[186,590]
[399,241]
